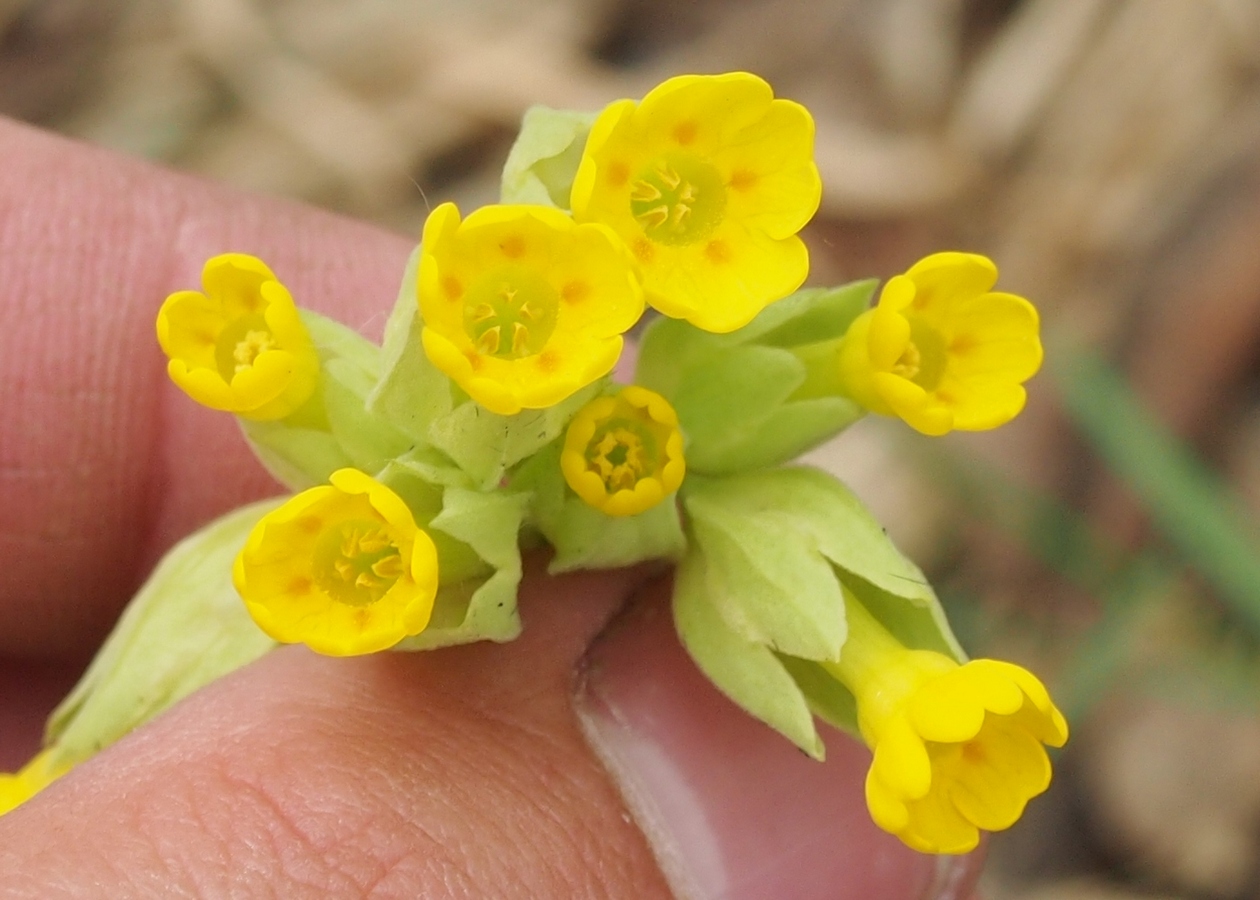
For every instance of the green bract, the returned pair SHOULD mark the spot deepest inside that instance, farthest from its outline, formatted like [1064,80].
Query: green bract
[775,550]
[545,157]
[584,537]
[739,396]
[183,629]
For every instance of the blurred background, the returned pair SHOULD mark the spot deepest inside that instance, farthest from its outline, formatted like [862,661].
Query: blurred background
[1106,153]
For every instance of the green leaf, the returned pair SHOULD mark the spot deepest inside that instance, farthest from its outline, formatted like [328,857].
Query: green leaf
[486,445]
[584,537]
[768,578]
[476,610]
[544,160]
[184,628]
[411,392]
[745,671]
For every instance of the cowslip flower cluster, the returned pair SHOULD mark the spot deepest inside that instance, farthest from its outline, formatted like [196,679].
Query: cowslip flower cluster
[487,421]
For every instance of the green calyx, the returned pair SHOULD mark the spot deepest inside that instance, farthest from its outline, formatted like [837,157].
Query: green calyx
[761,605]
[741,397]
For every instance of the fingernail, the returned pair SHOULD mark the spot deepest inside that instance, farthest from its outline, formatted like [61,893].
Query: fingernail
[731,809]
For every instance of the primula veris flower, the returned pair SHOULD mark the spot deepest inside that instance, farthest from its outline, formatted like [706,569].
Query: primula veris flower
[342,568]
[18,787]
[523,307]
[624,454]
[942,351]
[958,748]
[708,179]
[239,347]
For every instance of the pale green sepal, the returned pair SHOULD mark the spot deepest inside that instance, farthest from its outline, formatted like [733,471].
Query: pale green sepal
[457,562]
[809,316]
[921,623]
[544,160]
[745,671]
[411,392]
[486,445]
[789,431]
[585,538]
[184,628]
[738,395]
[828,516]
[723,405]
[827,697]
[766,576]
[477,610]
[334,429]
[298,458]
[736,412]
[670,348]
[434,466]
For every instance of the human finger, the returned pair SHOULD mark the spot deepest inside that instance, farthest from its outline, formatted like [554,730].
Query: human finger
[103,464]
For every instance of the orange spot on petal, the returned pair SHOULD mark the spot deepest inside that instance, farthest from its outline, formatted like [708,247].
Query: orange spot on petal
[718,252]
[743,179]
[299,585]
[452,288]
[685,132]
[513,246]
[575,292]
[618,173]
[643,250]
[548,361]
[474,360]
[309,524]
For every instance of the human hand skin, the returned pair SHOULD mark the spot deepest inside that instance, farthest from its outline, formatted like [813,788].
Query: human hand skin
[456,773]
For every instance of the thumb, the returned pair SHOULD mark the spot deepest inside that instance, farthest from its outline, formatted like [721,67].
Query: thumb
[452,773]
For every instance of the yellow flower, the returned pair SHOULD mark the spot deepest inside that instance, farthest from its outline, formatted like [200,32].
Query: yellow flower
[521,306]
[239,347]
[18,787]
[957,748]
[341,568]
[624,454]
[941,350]
[708,180]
